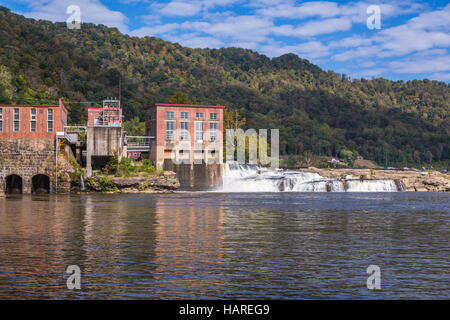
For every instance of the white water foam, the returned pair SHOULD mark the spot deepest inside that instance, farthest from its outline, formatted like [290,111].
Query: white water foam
[371,186]
[250,178]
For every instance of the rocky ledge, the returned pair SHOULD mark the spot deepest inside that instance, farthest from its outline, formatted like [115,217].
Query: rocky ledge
[414,181]
[163,183]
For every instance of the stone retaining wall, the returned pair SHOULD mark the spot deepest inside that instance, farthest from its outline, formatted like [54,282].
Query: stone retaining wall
[27,158]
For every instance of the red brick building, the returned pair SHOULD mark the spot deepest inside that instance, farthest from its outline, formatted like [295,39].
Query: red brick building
[185,133]
[32,121]
[111,117]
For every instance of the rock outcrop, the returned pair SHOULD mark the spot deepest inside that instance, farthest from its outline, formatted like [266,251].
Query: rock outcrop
[162,183]
[158,183]
[414,181]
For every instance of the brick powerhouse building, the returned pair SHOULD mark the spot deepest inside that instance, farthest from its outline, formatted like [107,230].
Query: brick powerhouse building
[27,144]
[32,121]
[188,139]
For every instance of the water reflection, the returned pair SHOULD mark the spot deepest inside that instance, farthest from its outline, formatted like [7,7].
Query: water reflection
[224,246]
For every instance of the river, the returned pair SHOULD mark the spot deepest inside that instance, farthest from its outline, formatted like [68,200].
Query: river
[225,245]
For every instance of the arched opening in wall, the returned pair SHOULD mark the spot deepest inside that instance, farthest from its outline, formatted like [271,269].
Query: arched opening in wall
[40,183]
[13,184]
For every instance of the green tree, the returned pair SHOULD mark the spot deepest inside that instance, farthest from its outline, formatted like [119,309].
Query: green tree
[179,98]
[347,156]
[134,127]
[232,119]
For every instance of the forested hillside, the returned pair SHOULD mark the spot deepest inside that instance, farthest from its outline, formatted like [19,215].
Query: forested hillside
[393,123]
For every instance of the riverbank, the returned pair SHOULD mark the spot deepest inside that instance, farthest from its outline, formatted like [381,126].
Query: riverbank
[412,181]
[166,182]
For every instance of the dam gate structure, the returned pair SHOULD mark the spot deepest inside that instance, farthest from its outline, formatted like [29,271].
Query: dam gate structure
[187,139]
[104,134]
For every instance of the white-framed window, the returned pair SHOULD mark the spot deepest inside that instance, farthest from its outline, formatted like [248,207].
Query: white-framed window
[199,131]
[185,115]
[169,130]
[199,115]
[50,120]
[213,131]
[170,115]
[184,131]
[33,120]
[213,116]
[1,119]
[16,120]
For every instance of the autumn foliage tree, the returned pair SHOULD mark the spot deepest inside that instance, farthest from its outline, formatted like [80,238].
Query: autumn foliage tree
[394,123]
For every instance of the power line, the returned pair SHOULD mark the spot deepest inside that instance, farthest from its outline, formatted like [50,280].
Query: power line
[56,101]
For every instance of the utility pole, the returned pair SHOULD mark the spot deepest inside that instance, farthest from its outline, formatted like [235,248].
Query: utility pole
[120,86]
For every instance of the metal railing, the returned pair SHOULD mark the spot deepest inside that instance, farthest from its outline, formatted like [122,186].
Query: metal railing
[138,141]
[75,133]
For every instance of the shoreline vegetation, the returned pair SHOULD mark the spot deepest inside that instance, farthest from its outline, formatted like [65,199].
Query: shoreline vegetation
[124,176]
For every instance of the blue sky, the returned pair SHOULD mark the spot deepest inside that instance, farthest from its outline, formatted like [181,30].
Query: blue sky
[413,42]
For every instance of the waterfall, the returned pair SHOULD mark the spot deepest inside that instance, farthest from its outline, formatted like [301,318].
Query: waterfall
[371,186]
[250,178]
[82,185]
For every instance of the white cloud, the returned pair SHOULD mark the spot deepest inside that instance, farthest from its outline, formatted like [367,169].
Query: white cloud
[405,39]
[421,65]
[438,19]
[323,27]
[134,1]
[155,31]
[354,41]
[368,64]
[441,76]
[313,28]
[309,50]
[188,8]
[419,34]
[179,8]
[91,11]
[196,25]
[199,42]
[355,11]
[242,28]
[361,53]
[368,73]
[252,45]
[305,10]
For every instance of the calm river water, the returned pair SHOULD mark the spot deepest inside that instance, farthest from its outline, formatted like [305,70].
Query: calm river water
[220,246]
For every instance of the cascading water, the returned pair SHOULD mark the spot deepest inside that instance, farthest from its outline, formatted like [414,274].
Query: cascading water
[82,185]
[250,178]
[371,186]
